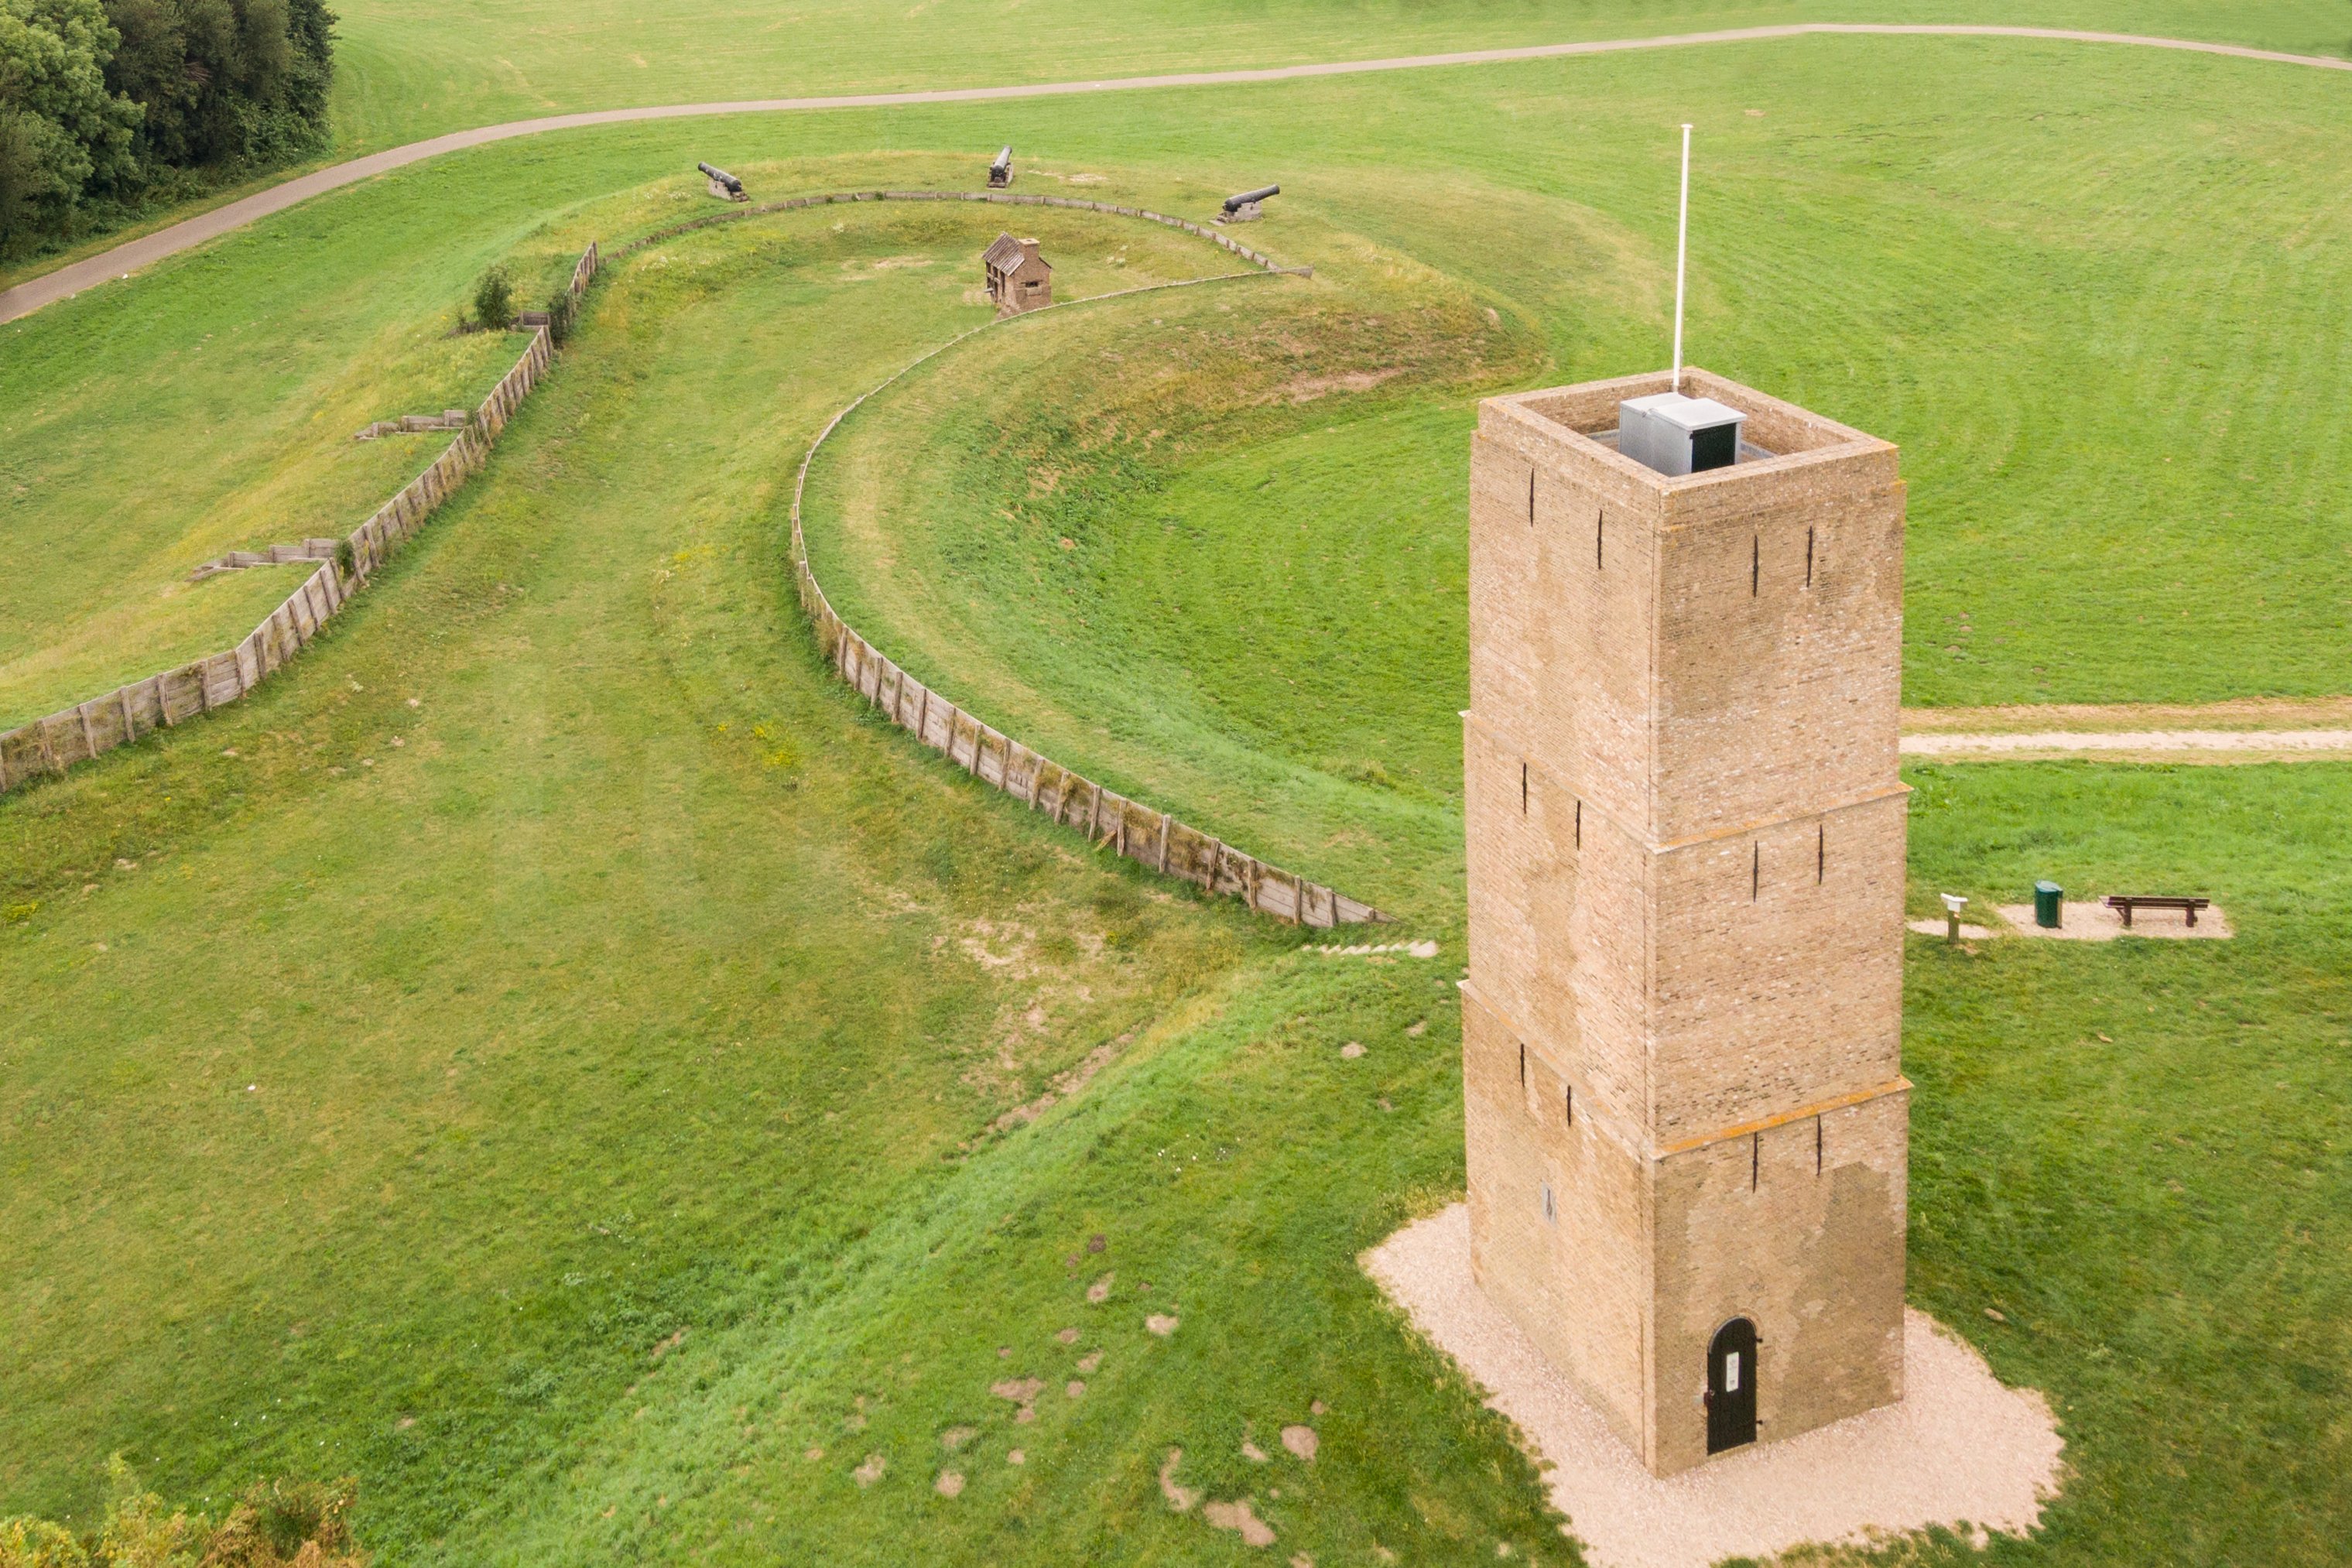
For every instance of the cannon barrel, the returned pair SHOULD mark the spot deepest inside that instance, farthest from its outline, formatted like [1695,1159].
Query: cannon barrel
[1235,204]
[723,177]
[1003,158]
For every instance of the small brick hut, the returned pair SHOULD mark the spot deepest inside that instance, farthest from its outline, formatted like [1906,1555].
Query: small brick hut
[1018,278]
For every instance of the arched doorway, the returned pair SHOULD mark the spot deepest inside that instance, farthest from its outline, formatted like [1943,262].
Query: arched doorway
[1731,1386]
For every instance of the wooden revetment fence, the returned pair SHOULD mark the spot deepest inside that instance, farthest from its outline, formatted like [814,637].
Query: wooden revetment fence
[1135,830]
[87,729]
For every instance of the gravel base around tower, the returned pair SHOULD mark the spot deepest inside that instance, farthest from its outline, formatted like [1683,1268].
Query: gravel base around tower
[1961,1450]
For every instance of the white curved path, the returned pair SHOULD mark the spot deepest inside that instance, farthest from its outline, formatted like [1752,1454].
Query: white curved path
[132,255]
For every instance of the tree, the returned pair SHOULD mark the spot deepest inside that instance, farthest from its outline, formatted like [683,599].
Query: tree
[61,131]
[494,300]
[224,82]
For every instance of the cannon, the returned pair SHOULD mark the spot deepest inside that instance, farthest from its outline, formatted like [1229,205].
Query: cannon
[1243,208]
[724,185]
[1000,174]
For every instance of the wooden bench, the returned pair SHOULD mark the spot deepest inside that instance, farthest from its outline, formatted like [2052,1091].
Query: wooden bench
[2128,903]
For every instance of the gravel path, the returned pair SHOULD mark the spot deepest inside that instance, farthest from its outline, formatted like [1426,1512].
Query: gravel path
[128,257]
[1959,1448]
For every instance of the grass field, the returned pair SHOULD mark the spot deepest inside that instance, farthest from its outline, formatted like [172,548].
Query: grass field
[590,1104]
[1257,616]
[407,71]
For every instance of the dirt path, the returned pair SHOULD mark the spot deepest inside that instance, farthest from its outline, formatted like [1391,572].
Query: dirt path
[132,255]
[2251,730]
[2141,745]
[2249,713]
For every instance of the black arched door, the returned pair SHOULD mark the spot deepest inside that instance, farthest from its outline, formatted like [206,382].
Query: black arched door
[1731,1386]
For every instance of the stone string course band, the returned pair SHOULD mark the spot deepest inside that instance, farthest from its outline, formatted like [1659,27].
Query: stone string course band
[1135,830]
[51,745]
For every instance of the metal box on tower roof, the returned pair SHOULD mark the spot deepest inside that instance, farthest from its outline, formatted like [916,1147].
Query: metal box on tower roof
[1678,434]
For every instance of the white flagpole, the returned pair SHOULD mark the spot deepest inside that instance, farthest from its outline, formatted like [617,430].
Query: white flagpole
[1682,249]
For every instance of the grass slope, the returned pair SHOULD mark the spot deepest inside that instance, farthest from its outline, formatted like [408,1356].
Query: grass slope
[95,551]
[2135,1153]
[628,978]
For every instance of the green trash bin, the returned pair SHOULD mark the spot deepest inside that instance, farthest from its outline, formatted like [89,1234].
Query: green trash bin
[2047,897]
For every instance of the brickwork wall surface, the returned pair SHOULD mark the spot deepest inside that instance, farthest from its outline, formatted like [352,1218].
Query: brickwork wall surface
[1813,1257]
[1578,1281]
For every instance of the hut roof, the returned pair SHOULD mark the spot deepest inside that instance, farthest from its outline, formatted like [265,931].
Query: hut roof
[1008,253]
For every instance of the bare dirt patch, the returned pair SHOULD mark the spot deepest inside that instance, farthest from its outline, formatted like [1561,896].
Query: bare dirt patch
[1932,927]
[1181,1498]
[1308,388]
[1959,1448]
[949,1484]
[1099,1292]
[871,1471]
[1255,1532]
[1353,1049]
[2088,919]
[1064,1085]
[1301,1441]
[1006,946]
[1161,1323]
[1091,1360]
[955,1438]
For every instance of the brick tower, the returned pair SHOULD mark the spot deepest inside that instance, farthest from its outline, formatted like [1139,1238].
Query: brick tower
[1684,1110]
